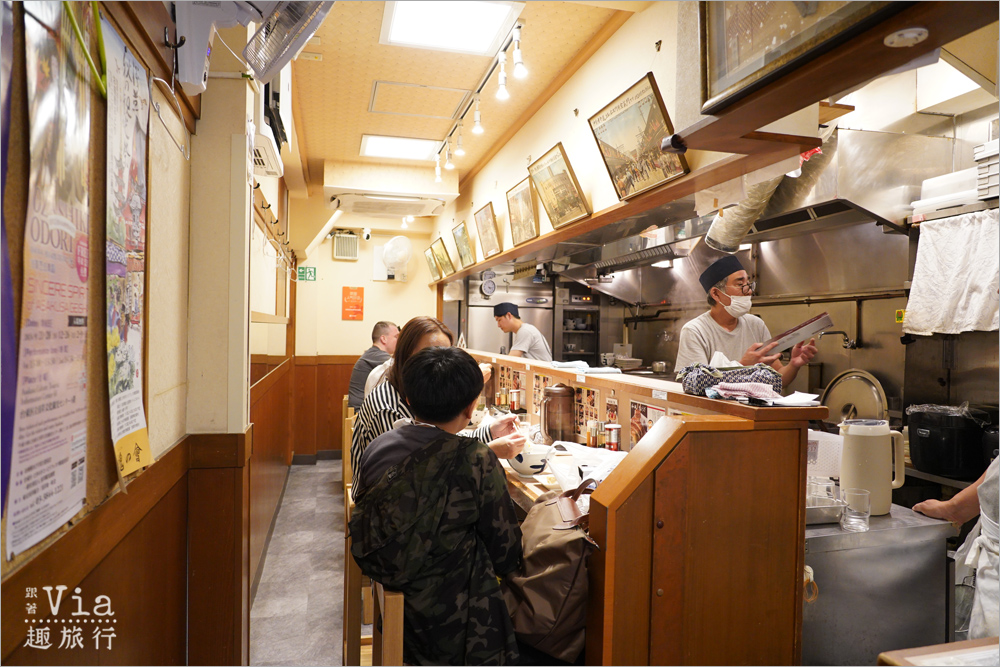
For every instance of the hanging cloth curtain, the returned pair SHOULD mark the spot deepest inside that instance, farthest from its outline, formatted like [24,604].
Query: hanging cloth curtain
[956,278]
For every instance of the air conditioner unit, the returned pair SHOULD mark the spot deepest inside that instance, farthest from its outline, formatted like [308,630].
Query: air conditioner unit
[345,246]
[266,155]
[388,206]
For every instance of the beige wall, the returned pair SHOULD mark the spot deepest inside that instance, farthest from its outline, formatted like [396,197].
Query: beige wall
[319,328]
[618,64]
[167,266]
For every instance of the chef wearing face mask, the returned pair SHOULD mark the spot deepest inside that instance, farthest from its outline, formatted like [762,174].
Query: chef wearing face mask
[729,329]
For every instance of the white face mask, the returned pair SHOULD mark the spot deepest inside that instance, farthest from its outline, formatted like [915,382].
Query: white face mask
[739,307]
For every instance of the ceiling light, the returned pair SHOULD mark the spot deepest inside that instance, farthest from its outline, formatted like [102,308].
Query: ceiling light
[502,93]
[477,127]
[459,151]
[520,71]
[437,168]
[906,37]
[745,246]
[404,223]
[391,197]
[409,218]
[397,147]
[448,164]
[464,27]
[665,264]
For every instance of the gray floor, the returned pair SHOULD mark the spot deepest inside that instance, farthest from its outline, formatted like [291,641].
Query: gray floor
[297,615]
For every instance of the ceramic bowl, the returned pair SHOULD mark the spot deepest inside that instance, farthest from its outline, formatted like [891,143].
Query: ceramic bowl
[529,463]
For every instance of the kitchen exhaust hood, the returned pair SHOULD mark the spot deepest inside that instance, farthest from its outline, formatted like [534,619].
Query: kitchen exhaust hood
[860,177]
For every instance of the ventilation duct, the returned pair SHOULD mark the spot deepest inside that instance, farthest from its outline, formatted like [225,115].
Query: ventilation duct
[345,246]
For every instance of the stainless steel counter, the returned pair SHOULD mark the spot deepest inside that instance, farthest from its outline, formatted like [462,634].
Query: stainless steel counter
[882,590]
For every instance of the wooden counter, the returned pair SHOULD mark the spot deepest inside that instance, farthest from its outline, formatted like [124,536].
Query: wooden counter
[701,527]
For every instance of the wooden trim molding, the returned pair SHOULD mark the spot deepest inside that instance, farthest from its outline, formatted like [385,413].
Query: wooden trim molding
[267,318]
[327,359]
[263,385]
[219,450]
[73,556]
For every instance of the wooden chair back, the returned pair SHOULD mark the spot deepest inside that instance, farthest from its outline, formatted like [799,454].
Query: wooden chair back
[387,642]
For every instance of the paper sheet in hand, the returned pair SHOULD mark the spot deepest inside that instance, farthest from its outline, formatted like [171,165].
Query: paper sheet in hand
[800,333]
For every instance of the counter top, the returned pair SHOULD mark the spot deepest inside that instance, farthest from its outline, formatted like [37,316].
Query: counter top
[900,525]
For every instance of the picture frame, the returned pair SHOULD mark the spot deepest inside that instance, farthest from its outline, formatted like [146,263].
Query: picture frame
[466,255]
[432,264]
[746,46]
[443,258]
[633,158]
[522,211]
[557,188]
[489,234]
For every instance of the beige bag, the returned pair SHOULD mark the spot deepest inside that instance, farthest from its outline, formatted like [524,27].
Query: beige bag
[547,595]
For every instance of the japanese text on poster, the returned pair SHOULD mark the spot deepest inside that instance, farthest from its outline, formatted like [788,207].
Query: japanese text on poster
[353,304]
[643,418]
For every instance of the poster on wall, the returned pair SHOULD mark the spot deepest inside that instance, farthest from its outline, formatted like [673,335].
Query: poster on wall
[585,405]
[353,304]
[8,378]
[48,460]
[125,250]
[643,418]
[538,392]
[611,410]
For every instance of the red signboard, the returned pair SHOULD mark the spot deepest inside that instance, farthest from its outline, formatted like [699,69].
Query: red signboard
[354,304]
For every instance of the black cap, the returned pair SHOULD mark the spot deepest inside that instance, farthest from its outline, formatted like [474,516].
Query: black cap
[720,269]
[502,309]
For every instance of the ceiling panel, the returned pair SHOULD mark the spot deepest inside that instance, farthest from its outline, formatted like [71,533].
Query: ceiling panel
[410,99]
[334,96]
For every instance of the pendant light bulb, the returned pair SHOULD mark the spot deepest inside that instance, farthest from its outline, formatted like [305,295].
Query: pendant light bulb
[404,223]
[459,151]
[477,127]
[437,168]
[448,164]
[410,218]
[520,71]
[502,93]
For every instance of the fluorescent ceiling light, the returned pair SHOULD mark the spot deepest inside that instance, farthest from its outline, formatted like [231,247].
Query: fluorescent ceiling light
[463,27]
[391,197]
[665,264]
[398,147]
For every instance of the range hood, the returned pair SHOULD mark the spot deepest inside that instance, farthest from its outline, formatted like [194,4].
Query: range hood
[860,177]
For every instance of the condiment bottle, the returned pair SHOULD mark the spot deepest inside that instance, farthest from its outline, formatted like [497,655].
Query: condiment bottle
[515,404]
[612,438]
[601,436]
[592,433]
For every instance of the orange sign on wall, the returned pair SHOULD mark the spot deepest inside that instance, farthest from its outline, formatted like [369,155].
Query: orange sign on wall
[354,304]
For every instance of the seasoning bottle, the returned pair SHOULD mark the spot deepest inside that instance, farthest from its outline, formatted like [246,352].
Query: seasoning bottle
[601,436]
[515,404]
[612,438]
[592,433]
[496,400]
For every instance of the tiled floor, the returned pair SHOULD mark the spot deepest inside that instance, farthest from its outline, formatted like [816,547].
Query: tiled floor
[296,617]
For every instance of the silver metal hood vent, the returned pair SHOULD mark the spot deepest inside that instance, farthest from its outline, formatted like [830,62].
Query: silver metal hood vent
[860,177]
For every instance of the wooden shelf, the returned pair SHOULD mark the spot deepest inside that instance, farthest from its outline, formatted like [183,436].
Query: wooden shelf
[829,111]
[778,148]
[860,59]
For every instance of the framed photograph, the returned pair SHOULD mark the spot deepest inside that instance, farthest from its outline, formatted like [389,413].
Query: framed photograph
[558,188]
[747,45]
[523,212]
[442,257]
[628,132]
[464,244]
[489,235]
[432,264]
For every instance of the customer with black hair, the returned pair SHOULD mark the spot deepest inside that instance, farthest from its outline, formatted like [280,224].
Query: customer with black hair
[434,520]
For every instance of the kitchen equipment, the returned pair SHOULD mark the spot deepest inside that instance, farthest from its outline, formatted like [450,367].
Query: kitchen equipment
[659,367]
[823,509]
[867,461]
[948,440]
[626,363]
[557,413]
[534,303]
[990,444]
[607,358]
[855,394]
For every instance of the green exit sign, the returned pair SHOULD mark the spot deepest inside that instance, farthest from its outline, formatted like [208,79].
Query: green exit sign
[307,273]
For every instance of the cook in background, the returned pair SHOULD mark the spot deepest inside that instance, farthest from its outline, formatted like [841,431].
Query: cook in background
[528,340]
[980,498]
[384,335]
[385,405]
[729,328]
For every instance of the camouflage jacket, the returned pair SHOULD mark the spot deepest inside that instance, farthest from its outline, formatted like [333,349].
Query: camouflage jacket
[439,526]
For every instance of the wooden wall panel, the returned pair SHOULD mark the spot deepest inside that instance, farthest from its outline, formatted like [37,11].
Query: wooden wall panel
[304,426]
[333,381]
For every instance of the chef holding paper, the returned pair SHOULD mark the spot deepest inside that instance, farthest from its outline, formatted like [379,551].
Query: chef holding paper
[727,329]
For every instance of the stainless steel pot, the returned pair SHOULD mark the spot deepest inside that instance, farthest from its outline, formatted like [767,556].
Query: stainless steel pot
[659,367]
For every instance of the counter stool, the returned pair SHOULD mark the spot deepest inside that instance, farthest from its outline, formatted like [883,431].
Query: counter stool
[387,641]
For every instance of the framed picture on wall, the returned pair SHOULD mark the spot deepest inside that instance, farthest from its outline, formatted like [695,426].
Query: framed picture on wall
[747,45]
[628,132]
[464,244]
[432,264]
[442,257]
[558,188]
[489,235]
[523,212]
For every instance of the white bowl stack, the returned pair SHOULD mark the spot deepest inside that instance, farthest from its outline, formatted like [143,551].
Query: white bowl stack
[988,169]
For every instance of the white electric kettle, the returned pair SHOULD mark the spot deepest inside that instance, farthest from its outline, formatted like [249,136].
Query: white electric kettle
[866,461]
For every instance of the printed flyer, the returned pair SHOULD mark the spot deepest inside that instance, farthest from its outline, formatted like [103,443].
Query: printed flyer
[643,418]
[538,392]
[48,466]
[585,407]
[128,122]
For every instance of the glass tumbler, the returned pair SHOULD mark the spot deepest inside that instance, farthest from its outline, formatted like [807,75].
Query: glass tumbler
[857,510]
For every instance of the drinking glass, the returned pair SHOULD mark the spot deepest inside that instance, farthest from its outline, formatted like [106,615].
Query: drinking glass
[857,510]
[524,424]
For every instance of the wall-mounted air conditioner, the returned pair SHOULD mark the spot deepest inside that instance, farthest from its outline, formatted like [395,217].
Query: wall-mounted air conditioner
[388,206]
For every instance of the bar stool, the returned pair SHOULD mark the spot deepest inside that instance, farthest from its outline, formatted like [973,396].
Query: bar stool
[387,641]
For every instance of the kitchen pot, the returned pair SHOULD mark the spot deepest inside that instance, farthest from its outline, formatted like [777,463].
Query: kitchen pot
[867,460]
[659,367]
[557,413]
[948,441]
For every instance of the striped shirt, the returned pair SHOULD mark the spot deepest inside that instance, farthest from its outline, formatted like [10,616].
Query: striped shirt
[379,411]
